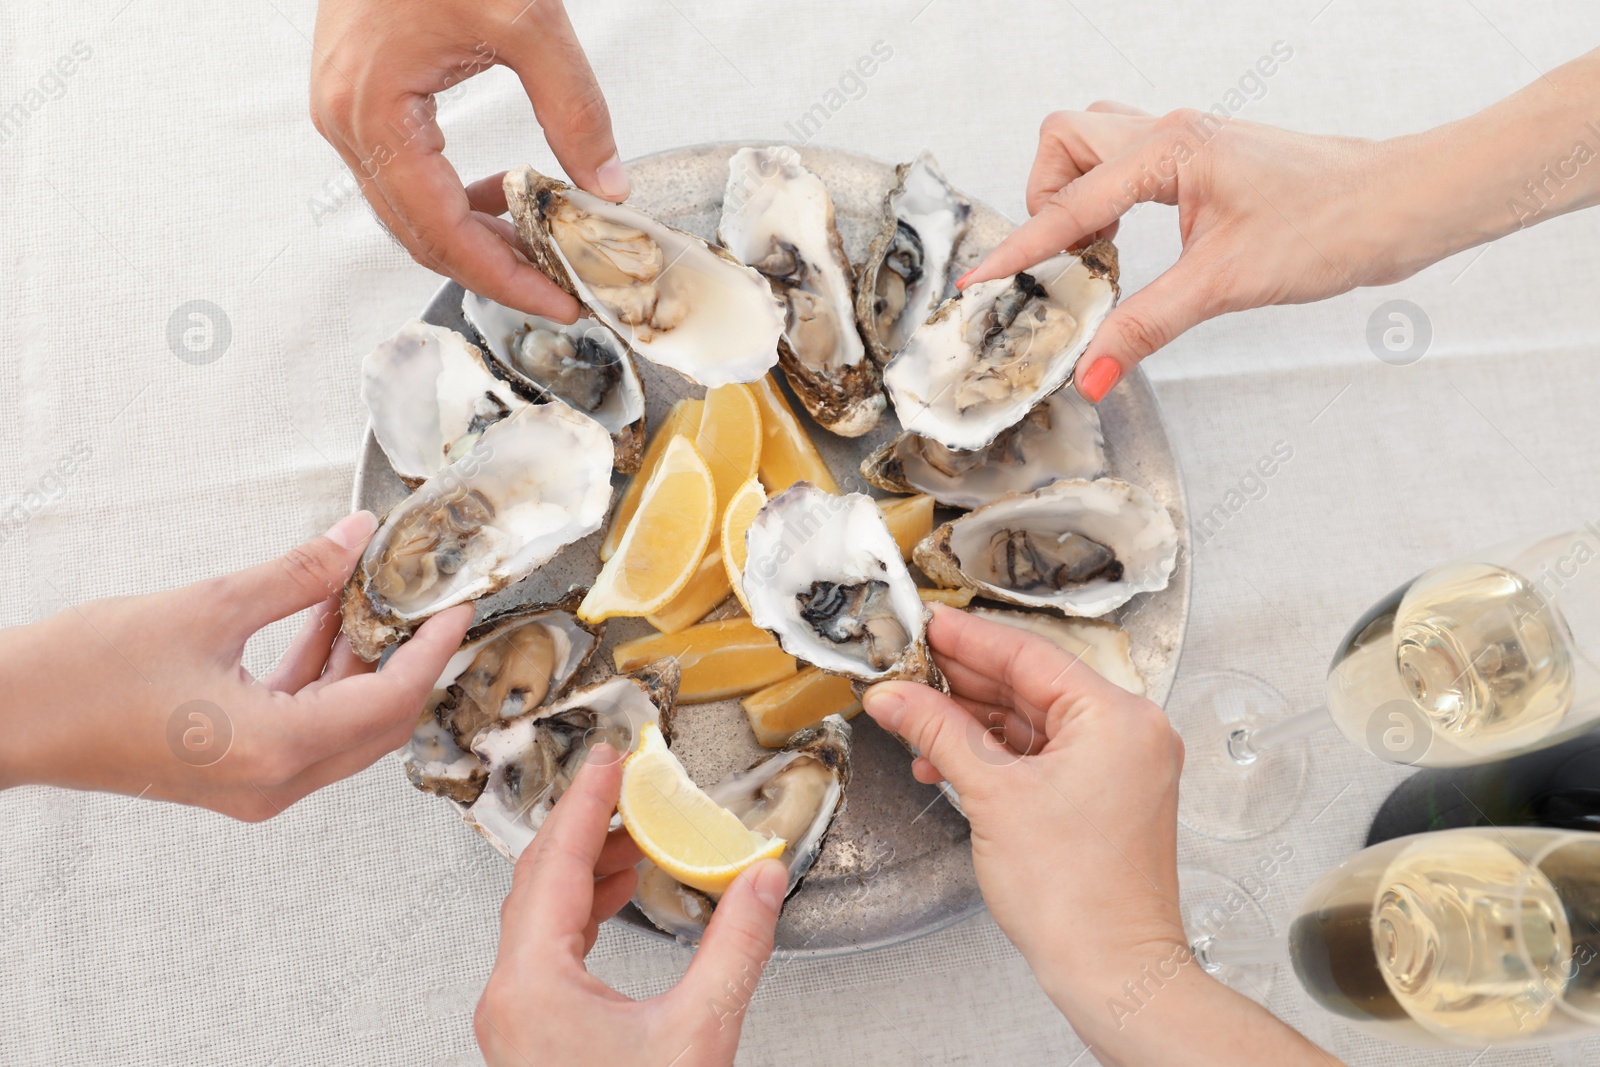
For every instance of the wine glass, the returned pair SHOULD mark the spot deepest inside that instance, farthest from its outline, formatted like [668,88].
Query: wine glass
[1485,657]
[1473,937]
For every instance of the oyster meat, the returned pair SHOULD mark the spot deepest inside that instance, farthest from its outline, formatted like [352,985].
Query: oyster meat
[429,396]
[532,758]
[825,577]
[1059,438]
[1103,646]
[982,361]
[1080,547]
[674,299]
[777,216]
[508,665]
[795,794]
[485,521]
[908,264]
[583,365]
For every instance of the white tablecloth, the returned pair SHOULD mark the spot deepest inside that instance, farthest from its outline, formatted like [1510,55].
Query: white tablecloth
[176,163]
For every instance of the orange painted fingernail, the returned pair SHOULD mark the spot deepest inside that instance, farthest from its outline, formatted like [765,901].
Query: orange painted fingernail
[1102,374]
[961,282]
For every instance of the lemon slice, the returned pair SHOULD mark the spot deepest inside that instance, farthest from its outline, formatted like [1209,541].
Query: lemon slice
[736,519]
[729,438]
[684,832]
[708,588]
[787,453]
[683,420]
[662,547]
[798,702]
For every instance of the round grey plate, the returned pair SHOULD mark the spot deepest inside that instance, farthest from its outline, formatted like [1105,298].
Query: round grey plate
[898,863]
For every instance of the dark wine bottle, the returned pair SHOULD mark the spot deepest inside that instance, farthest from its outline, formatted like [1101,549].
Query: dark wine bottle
[1558,787]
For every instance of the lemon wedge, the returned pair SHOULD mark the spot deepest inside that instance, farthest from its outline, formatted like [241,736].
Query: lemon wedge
[684,832]
[664,543]
[909,518]
[787,453]
[729,438]
[802,700]
[683,420]
[736,519]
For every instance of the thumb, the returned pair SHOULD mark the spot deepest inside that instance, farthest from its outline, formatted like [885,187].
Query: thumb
[939,729]
[737,943]
[305,575]
[1149,319]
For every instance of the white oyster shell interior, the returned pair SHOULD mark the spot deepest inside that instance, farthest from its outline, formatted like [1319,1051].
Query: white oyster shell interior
[938,216]
[1103,646]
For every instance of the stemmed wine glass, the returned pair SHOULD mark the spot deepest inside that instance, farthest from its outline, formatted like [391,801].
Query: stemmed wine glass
[1485,657]
[1481,936]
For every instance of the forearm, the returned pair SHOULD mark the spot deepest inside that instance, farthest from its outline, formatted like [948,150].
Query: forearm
[1530,157]
[1169,1012]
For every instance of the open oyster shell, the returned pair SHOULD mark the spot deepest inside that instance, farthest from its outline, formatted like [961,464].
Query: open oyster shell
[508,664]
[908,263]
[485,521]
[533,758]
[1059,438]
[988,355]
[675,299]
[429,394]
[584,366]
[795,794]
[1102,645]
[825,577]
[1080,547]
[777,217]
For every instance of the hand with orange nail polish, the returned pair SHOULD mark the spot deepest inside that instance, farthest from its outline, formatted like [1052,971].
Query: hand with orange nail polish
[148,695]
[377,67]
[1071,786]
[1268,216]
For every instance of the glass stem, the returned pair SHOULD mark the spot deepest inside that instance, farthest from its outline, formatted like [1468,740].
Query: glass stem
[1245,744]
[1213,955]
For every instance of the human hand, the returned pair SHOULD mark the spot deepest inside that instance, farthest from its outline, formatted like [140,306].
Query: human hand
[542,1005]
[1071,786]
[377,66]
[1266,216]
[147,695]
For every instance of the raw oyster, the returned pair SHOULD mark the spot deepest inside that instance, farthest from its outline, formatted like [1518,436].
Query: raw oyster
[908,264]
[1059,438]
[988,355]
[1082,548]
[777,217]
[429,395]
[533,758]
[795,794]
[485,521]
[583,365]
[672,297]
[509,664]
[825,577]
[1103,646]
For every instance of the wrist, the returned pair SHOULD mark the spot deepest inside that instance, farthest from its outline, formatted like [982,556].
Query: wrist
[27,717]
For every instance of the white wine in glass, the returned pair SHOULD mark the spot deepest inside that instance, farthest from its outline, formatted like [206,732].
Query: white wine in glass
[1467,937]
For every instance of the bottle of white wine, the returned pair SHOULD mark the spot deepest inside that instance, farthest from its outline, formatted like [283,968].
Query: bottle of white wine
[1557,787]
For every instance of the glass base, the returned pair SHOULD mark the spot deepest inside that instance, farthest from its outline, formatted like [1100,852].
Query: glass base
[1219,910]
[1229,791]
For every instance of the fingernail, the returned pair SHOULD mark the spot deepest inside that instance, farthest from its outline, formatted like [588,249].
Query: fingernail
[884,705]
[771,884]
[613,180]
[1102,374]
[601,753]
[961,282]
[353,530]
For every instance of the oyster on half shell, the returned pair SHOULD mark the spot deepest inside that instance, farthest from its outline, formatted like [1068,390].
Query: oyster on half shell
[824,576]
[584,366]
[983,360]
[795,794]
[777,217]
[1059,438]
[1102,645]
[429,395]
[485,521]
[533,757]
[1080,547]
[509,664]
[675,299]
[908,263]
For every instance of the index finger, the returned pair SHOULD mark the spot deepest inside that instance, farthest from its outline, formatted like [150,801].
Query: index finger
[552,889]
